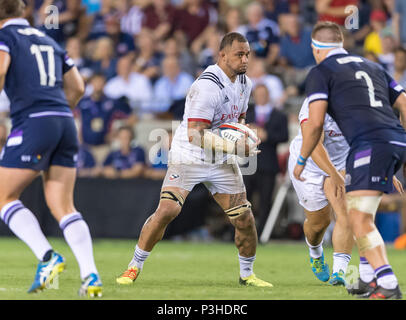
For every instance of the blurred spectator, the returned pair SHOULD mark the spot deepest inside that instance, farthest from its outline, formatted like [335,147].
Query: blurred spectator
[75,52]
[159,163]
[295,39]
[96,23]
[387,57]
[132,85]
[258,75]
[127,162]
[131,21]
[4,105]
[371,56]
[272,128]
[70,15]
[3,135]
[97,113]
[261,33]
[399,22]
[103,60]
[159,17]
[123,42]
[273,8]
[206,49]
[364,27]
[172,86]
[232,20]
[194,18]
[173,47]
[399,73]
[373,41]
[148,59]
[334,10]
[86,163]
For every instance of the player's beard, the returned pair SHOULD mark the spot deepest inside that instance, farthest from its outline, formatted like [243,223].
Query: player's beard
[240,71]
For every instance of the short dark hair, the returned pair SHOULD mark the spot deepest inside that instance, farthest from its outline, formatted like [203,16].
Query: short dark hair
[229,38]
[11,9]
[334,35]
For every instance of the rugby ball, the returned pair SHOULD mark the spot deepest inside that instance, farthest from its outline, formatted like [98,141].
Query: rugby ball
[235,131]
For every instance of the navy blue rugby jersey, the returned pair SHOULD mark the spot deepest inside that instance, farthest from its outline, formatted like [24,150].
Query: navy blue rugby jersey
[360,95]
[34,81]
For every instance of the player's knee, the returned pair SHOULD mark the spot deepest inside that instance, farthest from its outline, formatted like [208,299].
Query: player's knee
[245,220]
[166,212]
[320,225]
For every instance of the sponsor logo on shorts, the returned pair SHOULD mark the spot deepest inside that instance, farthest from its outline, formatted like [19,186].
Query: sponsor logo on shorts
[29,158]
[173,177]
[25,158]
[377,179]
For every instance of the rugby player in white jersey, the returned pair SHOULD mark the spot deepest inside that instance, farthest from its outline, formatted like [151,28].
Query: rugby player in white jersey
[220,95]
[320,192]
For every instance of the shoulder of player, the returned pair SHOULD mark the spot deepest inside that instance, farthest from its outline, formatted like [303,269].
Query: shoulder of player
[210,80]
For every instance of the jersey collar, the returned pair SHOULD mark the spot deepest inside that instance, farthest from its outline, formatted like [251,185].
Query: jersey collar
[337,51]
[16,21]
[224,76]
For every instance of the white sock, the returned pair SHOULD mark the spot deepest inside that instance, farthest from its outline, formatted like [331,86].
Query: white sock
[139,258]
[366,272]
[340,262]
[246,266]
[315,251]
[385,277]
[78,237]
[25,226]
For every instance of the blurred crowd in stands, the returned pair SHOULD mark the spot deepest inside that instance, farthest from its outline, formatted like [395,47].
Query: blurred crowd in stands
[139,58]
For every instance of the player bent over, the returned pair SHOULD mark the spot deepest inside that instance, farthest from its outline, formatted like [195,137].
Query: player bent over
[324,176]
[43,85]
[359,94]
[220,95]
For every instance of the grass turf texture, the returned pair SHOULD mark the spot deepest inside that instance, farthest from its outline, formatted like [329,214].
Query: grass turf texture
[181,270]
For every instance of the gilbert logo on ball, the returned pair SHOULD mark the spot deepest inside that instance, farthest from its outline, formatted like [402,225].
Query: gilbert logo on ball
[234,132]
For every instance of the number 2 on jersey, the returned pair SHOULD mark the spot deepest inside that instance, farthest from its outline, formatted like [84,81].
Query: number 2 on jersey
[371,88]
[50,78]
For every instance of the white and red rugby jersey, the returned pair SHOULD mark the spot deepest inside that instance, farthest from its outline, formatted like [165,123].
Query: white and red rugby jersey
[213,99]
[334,142]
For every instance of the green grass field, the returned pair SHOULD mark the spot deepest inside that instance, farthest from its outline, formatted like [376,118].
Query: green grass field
[181,270]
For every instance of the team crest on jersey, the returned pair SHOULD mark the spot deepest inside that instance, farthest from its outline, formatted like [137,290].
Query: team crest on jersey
[173,177]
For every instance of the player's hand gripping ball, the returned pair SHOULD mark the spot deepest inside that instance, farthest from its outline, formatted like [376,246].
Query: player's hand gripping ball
[237,131]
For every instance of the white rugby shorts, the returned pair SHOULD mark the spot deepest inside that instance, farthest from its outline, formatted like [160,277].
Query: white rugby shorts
[218,178]
[311,191]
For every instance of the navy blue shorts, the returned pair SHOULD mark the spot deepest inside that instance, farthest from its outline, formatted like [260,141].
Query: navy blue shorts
[37,143]
[371,166]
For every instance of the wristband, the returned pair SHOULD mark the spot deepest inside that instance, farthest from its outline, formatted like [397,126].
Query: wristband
[301,161]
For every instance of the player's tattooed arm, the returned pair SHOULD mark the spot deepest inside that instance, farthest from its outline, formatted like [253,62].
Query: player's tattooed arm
[4,64]
[199,134]
[196,132]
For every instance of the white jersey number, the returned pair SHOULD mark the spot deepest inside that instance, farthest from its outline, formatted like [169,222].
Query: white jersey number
[371,88]
[50,78]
